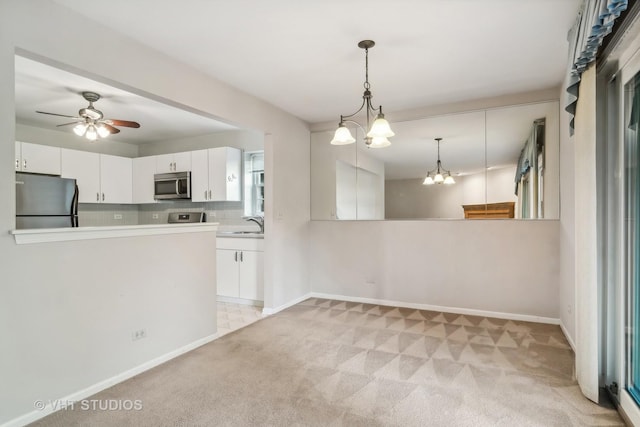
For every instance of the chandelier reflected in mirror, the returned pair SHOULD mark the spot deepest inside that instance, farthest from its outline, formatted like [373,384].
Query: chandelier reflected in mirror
[439,175]
[380,130]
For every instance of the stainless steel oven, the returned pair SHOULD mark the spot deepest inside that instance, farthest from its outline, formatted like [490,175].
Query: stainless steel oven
[175,185]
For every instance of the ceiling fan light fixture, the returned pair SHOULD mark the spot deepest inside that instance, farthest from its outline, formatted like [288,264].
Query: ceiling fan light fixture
[342,136]
[91,134]
[80,129]
[90,122]
[103,132]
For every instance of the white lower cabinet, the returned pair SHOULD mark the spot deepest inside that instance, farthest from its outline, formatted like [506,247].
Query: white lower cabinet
[240,268]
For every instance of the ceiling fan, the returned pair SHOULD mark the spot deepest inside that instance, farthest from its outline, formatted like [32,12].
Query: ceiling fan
[91,123]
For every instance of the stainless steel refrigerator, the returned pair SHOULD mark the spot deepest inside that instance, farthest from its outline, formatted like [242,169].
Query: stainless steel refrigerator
[44,201]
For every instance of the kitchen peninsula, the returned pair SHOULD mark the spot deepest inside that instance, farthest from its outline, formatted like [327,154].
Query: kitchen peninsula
[89,233]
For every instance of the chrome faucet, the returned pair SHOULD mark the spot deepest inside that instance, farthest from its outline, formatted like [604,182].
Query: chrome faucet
[258,220]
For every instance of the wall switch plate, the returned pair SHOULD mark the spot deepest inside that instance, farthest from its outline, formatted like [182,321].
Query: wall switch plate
[154,216]
[117,216]
[139,334]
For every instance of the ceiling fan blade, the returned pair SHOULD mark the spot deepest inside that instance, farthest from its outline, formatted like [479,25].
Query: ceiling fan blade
[61,115]
[67,124]
[124,123]
[110,128]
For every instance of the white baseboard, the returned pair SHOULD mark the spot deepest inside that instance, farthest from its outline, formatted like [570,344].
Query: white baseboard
[568,337]
[457,310]
[57,404]
[269,311]
[240,301]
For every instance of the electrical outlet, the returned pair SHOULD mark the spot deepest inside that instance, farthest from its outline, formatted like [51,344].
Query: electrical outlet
[155,216]
[117,216]
[139,334]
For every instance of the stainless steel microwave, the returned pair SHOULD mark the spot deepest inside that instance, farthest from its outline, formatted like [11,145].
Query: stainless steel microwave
[175,185]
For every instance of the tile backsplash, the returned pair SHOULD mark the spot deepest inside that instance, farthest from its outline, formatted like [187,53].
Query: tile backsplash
[228,214]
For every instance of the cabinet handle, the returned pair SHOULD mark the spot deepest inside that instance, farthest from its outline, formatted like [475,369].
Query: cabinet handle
[103,197]
[241,257]
[17,164]
[205,194]
[97,197]
[236,258]
[209,194]
[24,164]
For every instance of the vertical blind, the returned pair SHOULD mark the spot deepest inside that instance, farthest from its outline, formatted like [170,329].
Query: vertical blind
[594,21]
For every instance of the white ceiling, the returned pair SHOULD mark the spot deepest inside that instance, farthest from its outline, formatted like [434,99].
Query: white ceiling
[302,56]
[40,87]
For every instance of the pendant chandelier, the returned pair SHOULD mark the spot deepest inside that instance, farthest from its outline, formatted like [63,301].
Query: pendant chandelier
[380,130]
[439,175]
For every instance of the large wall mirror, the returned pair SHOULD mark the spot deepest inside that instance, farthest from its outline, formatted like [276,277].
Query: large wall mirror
[504,163]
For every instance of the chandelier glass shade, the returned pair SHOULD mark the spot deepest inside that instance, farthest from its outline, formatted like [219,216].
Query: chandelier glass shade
[439,175]
[379,131]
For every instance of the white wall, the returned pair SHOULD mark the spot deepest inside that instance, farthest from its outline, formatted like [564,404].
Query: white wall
[244,139]
[499,266]
[44,284]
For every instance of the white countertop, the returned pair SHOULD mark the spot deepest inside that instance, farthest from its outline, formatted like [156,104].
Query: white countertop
[41,235]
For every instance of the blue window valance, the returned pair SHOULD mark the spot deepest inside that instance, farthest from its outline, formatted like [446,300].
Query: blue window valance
[594,21]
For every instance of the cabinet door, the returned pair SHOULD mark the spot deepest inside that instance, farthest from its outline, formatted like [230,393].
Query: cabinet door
[164,163]
[84,167]
[227,276]
[115,179]
[40,159]
[233,174]
[18,151]
[251,275]
[182,161]
[224,174]
[199,176]
[217,173]
[143,170]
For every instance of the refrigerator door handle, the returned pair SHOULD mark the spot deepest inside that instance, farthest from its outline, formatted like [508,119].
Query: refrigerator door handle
[74,206]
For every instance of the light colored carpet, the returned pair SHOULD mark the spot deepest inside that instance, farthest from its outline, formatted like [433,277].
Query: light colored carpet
[334,363]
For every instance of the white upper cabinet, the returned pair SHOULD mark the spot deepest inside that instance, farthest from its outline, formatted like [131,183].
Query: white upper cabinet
[84,167]
[174,162]
[143,170]
[115,179]
[215,175]
[200,176]
[101,178]
[37,158]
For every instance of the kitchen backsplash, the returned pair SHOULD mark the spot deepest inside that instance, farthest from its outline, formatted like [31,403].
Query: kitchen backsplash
[228,214]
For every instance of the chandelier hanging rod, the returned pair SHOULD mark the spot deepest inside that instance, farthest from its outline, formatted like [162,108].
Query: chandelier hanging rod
[380,130]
